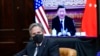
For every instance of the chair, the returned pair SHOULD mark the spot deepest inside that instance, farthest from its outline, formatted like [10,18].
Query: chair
[67,52]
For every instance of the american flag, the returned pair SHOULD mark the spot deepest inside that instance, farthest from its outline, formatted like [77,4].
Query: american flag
[40,16]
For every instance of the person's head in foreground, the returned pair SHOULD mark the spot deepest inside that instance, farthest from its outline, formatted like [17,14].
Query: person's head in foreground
[36,31]
[39,46]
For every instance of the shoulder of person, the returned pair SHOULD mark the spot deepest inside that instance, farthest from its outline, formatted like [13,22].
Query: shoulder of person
[51,41]
[29,43]
[68,17]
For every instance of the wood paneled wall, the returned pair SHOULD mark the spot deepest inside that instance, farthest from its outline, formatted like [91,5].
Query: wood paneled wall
[15,18]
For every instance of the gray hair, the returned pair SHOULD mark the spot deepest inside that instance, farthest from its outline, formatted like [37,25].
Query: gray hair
[35,24]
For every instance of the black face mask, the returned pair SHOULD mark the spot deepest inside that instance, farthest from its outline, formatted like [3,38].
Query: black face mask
[38,38]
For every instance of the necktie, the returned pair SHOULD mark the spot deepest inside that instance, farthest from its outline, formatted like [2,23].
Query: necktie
[61,23]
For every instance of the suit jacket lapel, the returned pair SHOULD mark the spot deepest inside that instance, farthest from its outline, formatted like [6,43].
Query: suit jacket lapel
[58,21]
[42,47]
[32,49]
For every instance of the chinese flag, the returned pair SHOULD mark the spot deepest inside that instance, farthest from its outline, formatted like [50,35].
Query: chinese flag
[89,20]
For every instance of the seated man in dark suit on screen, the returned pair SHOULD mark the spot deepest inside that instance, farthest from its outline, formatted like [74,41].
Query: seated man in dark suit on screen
[40,46]
[63,25]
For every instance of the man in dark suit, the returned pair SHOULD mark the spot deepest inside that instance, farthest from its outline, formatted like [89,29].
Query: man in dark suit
[39,46]
[63,25]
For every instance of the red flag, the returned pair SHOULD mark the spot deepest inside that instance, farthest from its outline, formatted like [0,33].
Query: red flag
[89,20]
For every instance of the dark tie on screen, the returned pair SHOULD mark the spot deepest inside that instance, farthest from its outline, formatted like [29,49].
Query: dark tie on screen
[61,24]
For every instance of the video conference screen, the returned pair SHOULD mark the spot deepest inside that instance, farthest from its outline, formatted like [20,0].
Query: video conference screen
[67,17]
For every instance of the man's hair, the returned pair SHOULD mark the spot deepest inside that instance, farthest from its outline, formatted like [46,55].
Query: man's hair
[60,6]
[35,24]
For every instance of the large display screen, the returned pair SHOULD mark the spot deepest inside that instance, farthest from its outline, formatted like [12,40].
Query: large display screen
[68,17]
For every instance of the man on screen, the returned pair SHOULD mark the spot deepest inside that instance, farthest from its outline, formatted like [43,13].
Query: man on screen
[39,46]
[62,25]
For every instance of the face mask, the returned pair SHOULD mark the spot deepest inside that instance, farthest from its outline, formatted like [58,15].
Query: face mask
[38,38]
